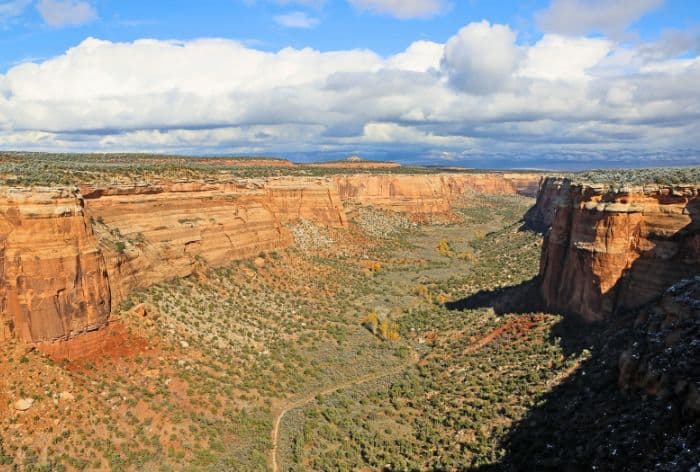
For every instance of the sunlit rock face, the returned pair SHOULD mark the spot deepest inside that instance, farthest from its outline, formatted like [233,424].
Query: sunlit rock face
[53,275]
[611,250]
[423,197]
[68,256]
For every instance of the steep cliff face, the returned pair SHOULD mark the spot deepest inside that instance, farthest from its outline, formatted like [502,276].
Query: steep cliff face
[310,199]
[526,184]
[68,256]
[53,277]
[553,194]
[152,233]
[611,250]
[426,196]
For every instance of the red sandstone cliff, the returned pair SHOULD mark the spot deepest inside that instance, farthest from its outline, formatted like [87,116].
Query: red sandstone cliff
[426,196]
[53,277]
[610,250]
[166,228]
[68,256]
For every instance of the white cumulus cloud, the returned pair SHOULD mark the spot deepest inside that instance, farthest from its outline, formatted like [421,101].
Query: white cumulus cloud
[556,57]
[481,57]
[480,92]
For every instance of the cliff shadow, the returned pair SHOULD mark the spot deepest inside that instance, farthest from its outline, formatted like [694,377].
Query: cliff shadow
[586,421]
[521,298]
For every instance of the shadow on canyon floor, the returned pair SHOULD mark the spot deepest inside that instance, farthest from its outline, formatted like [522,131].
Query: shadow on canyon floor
[587,422]
[522,298]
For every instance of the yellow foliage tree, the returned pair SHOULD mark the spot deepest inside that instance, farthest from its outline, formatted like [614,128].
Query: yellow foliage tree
[445,248]
[388,331]
[371,322]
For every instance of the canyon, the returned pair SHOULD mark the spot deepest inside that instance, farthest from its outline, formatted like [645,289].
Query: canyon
[141,294]
[69,256]
[608,250]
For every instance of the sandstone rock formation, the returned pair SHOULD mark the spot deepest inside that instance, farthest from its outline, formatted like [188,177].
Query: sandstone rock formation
[68,256]
[425,196]
[610,250]
[155,232]
[53,276]
[553,194]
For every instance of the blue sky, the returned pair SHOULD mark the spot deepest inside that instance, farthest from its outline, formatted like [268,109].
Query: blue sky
[340,25]
[510,83]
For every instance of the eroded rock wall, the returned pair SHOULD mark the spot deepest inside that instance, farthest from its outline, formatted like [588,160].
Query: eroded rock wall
[612,250]
[53,276]
[427,196]
[69,256]
[166,229]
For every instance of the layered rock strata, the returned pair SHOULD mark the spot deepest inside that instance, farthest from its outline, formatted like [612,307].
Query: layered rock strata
[610,250]
[53,275]
[427,196]
[69,255]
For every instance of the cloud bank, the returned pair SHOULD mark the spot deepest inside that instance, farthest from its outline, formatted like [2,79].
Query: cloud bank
[479,94]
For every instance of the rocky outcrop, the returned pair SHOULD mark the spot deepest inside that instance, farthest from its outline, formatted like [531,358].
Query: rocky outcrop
[67,256]
[527,184]
[663,354]
[53,275]
[152,233]
[610,250]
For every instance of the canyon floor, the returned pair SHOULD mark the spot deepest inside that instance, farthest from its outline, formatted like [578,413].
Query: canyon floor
[386,346]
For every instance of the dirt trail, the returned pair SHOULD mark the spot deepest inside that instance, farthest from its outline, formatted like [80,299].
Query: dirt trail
[564,374]
[327,391]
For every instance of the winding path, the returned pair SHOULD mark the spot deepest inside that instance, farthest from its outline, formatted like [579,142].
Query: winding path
[369,378]
[326,391]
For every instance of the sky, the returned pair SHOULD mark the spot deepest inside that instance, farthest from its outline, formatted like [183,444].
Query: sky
[533,83]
